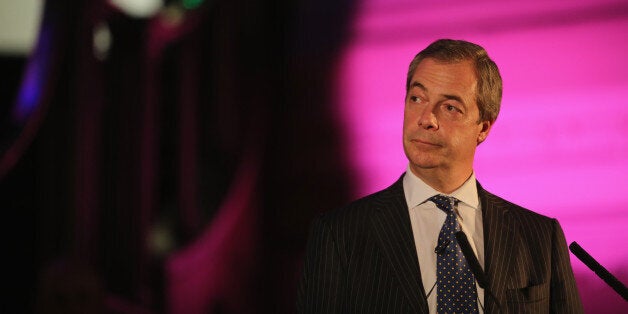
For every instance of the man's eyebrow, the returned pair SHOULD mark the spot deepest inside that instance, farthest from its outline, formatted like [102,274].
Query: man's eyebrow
[454,97]
[419,85]
[450,97]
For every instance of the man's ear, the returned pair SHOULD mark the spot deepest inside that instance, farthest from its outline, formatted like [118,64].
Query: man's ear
[486,127]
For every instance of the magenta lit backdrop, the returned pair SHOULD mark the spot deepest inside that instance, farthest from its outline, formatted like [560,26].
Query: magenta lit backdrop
[182,162]
[559,146]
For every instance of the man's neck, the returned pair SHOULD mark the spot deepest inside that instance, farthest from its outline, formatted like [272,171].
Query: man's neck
[444,181]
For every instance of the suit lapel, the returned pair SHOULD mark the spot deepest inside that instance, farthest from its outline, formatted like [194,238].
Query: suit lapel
[392,229]
[499,240]
[390,221]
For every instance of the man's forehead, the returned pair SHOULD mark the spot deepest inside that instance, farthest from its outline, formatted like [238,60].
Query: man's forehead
[429,72]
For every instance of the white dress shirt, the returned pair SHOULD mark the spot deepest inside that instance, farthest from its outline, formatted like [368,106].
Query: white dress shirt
[427,220]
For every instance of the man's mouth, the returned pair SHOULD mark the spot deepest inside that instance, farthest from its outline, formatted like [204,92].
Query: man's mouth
[424,142]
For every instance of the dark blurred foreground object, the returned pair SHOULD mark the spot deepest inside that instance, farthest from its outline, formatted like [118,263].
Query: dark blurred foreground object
[70,287]
[180,161]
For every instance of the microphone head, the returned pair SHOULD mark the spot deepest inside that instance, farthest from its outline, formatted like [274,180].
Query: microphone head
[440,248]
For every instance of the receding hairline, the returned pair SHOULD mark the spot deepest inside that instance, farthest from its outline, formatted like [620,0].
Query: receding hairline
[458,98]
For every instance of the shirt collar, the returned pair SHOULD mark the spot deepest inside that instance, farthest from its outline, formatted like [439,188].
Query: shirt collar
[417,191]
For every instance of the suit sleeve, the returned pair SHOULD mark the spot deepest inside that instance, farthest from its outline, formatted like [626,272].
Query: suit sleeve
[322,283]
[564,293]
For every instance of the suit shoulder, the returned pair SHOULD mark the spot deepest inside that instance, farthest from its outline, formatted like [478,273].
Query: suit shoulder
[517,211]
[360,209]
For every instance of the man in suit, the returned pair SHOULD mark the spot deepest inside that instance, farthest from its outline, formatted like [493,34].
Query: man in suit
[393,251]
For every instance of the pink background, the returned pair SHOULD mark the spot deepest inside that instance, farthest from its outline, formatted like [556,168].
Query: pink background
[180,166]
[559,146]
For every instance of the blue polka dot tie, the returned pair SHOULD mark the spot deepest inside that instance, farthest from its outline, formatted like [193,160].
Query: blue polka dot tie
[456,292]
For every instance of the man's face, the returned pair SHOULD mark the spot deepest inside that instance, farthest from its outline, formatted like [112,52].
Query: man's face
[440,123]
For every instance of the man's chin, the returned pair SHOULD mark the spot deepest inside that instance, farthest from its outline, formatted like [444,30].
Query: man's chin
[422,160]
[428,166]
[424,164]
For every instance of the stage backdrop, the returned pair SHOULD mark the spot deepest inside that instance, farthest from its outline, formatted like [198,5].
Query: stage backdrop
[172,163]
[559,145]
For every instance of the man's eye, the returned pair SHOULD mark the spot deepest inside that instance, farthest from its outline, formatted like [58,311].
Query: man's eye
[415,99]
[451,108]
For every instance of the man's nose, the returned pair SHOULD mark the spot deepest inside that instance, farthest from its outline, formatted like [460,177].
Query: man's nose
[427,119]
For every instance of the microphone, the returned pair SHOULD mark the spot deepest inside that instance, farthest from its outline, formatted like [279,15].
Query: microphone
[599,270]
[440,248]
[467,251]
[476,269]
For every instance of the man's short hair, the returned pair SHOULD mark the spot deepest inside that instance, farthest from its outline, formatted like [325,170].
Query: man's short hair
[489,88]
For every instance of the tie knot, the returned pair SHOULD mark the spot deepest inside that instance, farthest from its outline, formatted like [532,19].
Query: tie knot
[445,203]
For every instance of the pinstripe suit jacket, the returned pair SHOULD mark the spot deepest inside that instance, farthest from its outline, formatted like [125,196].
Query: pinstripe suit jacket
[362,259]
